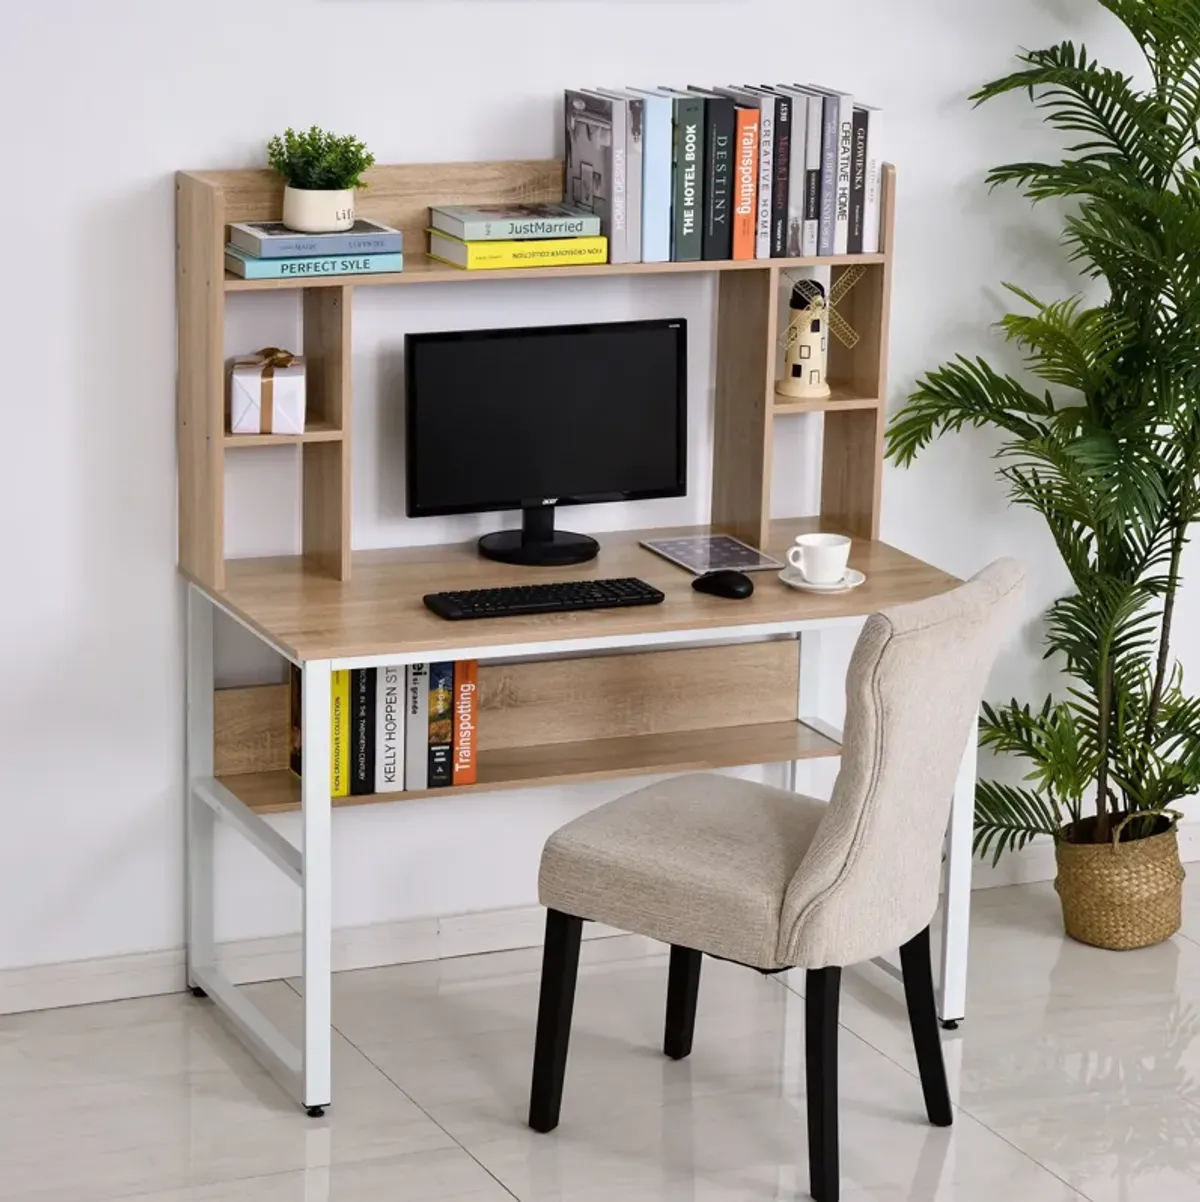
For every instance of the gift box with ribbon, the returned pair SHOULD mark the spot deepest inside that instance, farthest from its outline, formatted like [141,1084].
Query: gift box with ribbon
[266,393]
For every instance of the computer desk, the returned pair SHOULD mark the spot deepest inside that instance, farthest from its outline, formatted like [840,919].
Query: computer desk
[377,618]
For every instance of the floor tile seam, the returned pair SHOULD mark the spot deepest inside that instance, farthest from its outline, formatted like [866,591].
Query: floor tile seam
[404,1093]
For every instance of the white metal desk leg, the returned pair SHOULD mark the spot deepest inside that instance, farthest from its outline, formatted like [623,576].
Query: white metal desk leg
[956,900]
[200,821]
[316,819]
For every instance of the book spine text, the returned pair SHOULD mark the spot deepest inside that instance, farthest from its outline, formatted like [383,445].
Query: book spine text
[781,184]
[766,178]
[745,190]
[416,727]
[689,180]
[831,106]
[720,131]
[812,176]
[441,724]
[858,184]
[339,734]
[389,729]
[466,722]
[362,731]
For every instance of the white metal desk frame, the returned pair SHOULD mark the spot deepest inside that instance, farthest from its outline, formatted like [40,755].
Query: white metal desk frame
[305,1071]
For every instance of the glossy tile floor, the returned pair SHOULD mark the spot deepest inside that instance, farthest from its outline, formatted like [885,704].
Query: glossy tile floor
[1074,1075]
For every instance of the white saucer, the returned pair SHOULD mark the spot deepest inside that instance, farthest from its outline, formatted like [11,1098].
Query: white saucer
[793,579]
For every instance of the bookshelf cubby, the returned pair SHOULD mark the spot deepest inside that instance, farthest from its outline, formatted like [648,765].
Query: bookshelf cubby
[747,332]
[566,721]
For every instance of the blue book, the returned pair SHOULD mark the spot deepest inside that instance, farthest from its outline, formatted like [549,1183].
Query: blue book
[658,149]
[251,268]
[273,240]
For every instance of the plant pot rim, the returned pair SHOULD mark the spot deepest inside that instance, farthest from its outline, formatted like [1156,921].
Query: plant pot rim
[1165,823]
[294,188]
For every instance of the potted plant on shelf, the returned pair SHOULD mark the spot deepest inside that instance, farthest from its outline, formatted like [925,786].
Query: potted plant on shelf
[321,171]
[1106,448]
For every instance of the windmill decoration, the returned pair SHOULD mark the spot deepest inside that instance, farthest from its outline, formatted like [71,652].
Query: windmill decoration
[806,339]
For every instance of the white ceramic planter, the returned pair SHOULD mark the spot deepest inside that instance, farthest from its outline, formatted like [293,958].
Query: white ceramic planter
[312,212]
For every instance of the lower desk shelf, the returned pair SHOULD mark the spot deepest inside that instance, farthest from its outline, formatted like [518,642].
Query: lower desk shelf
[568,763]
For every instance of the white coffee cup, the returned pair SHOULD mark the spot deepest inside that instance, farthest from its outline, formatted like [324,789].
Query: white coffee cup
[821,558]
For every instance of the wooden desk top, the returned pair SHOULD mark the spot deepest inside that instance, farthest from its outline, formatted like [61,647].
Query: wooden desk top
[380,611]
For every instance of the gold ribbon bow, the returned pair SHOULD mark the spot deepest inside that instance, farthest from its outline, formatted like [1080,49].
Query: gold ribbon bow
[270,357]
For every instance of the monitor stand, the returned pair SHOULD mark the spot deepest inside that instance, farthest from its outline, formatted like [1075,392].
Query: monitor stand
[537,544]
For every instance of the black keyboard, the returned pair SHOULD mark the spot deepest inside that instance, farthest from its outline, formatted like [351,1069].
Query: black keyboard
[543,598]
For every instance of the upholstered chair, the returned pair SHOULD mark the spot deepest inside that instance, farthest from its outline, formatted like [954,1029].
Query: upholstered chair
[774,880]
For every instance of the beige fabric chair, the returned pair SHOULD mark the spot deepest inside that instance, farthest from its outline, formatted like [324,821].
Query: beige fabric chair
[774,880]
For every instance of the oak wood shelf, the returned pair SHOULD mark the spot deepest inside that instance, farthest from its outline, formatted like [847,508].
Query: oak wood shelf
[749,313]
[842,396]
[573,763]
[424,270]
[314,431]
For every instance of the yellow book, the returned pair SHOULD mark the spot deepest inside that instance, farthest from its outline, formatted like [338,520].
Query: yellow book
[541,252]
[339,734]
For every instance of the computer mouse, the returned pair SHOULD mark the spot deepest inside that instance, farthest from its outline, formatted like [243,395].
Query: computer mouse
[736,586]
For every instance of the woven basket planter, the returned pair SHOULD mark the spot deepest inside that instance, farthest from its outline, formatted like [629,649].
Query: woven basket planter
[1124,894]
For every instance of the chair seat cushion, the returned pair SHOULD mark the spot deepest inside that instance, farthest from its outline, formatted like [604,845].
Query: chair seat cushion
[700,861]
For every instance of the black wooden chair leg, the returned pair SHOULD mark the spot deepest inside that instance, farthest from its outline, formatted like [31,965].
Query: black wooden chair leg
[821,991]
[683,988]
[922,1018]
[560,967]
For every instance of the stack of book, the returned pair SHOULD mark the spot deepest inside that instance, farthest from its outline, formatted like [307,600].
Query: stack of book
[268,250]
[529,235]
[751,172]
[398,729]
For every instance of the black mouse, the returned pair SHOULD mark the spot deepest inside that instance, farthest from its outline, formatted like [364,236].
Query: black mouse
[736,586]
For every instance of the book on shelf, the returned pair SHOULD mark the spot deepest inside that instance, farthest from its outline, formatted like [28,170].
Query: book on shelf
[416,728]
[362,731]
[389,728]
[466,722]
[811,243]
[720,129]
[593,159]
[873,214]
[339,733]
[765,102]
[687,239]
[492,256]
[658,140]
[858,183]
[837,161]
[273,240]
[745,183]
[508,223]
[441,724]
[781,185]
[240,263]
[797,169]
[634,106]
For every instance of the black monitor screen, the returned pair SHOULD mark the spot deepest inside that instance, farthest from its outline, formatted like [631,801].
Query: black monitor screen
[498,419]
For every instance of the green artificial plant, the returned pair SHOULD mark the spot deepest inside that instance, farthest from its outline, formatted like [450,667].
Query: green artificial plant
[1106,444]
[318,160]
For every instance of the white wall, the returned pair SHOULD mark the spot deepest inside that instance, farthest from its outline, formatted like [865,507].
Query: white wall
[104,102]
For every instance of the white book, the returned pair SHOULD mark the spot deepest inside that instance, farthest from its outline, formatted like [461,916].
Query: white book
[873,211]
[416,720]
[845,168]
[389,729]
[809,118]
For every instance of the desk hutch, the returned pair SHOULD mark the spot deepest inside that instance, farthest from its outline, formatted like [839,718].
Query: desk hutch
[695,683]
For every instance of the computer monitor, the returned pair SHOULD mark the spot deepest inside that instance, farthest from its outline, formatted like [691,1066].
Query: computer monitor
[531,419]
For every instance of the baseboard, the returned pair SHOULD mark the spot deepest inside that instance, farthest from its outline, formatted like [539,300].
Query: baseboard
[146,974]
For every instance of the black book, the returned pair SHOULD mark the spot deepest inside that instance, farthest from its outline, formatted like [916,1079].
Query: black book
[362,731]
[858,183]
[780,188]
[441,725]
[687,222]
[720,129]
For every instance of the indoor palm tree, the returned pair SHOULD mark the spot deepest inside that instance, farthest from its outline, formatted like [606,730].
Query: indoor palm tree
[1106,444]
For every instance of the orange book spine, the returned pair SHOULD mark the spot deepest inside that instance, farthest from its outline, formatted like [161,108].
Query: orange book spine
[466,722]
[745,192]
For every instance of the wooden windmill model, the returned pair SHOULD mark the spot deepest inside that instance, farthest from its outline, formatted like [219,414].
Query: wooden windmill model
[806,339]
